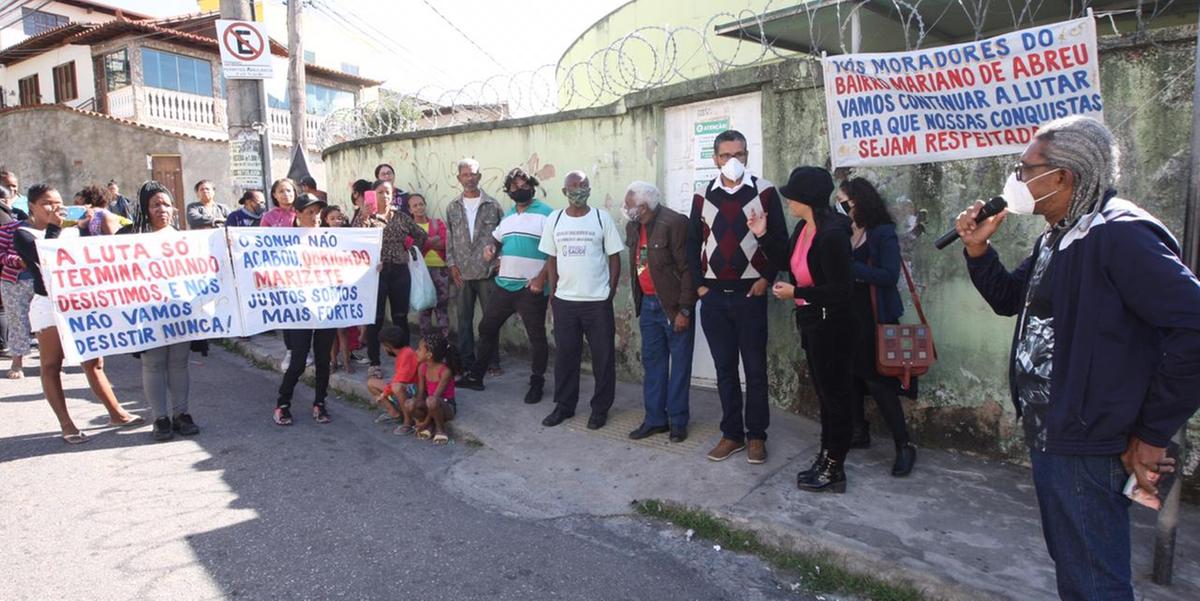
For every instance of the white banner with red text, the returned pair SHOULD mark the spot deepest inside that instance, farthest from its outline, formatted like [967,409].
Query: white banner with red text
[972,100]
[129,293]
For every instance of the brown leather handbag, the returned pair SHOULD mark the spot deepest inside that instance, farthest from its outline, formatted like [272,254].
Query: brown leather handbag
[903,350]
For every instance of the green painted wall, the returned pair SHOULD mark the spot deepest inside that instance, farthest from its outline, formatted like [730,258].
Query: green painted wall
[964,402]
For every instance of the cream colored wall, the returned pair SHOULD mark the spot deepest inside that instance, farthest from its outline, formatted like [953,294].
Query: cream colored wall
[43,65]
[15,33]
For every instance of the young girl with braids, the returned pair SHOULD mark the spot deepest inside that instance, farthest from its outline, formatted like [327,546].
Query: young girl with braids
[434,404]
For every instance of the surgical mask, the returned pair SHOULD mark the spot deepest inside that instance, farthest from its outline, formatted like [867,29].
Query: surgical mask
[733,170]
[522,196]
[632,213]
[1020,200]
[578,197]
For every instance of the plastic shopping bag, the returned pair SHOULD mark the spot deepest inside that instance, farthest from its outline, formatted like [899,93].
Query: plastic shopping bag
[421,295]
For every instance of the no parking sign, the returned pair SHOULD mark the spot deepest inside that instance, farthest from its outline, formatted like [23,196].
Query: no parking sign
[245,50]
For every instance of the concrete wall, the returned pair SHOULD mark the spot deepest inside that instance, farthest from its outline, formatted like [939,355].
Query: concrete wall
[964,402]
[72,149]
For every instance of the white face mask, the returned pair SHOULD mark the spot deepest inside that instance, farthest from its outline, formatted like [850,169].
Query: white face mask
[1020,200]
[733,170]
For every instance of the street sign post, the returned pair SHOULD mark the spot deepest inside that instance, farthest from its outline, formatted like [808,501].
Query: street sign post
[245,50]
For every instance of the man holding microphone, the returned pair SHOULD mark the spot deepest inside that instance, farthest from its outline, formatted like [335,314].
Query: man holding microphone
[1105,363]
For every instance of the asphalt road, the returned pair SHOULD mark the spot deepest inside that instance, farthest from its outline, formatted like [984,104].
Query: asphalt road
[250,510]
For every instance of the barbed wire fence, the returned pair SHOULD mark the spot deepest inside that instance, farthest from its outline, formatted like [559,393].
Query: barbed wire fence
[654,56]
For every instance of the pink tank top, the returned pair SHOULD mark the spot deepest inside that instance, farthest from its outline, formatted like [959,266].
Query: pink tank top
[800,260]
[431,384]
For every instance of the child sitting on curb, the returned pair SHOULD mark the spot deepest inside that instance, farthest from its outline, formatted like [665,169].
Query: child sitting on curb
[393,396]
[434,403]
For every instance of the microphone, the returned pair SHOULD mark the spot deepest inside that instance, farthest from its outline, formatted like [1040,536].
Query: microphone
[992,208]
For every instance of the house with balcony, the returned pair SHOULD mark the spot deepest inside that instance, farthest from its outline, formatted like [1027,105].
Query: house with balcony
[111,67]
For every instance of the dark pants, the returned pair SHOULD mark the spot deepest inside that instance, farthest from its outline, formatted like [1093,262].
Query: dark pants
[394,284]
[573,320]
[501,305]
[472,292]
[829,350]
[736,326]
[1085,520]
[300,342]
[886,392]
[667,359]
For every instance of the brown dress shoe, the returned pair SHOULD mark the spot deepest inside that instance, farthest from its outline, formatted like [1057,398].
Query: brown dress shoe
[724,449]
[756,451]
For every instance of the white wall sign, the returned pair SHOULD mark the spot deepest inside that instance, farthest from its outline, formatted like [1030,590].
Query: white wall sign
[245,50]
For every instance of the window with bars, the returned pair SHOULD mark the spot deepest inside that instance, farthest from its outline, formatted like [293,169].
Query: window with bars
[64,83]
[116,69]
[31,93]
[36,22]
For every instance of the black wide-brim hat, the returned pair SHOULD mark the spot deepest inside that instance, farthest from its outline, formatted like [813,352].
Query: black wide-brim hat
[810,185]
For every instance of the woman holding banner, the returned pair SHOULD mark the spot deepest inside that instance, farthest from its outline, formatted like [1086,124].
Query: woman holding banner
[46,214]
[165,368]
[300,342]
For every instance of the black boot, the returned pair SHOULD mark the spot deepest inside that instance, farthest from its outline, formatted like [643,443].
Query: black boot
[861,436]
[906,458]
[829,477]
[536,385]
[817,461]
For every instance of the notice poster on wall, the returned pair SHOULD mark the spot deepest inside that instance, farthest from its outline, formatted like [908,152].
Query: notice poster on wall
[298,278]
[691,129]
[123,294]
[972,100]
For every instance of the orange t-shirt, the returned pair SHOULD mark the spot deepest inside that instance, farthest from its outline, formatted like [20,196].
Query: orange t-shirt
[406,370]
[643,264]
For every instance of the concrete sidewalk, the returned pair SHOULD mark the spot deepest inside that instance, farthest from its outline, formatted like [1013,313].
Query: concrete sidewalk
[960,527]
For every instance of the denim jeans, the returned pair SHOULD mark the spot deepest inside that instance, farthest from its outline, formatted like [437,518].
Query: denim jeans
[1085,520]
[667,359]
[735,326]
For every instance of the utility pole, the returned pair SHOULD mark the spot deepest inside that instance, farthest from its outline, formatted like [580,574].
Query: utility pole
[296,81]
[246,102]
[1168,516]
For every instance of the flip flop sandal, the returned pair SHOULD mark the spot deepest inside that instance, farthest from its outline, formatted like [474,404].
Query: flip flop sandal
[384,418]
[402,430]
[375,372]
[15,374]
[440,439]
[76,438]
[424,435]
[136,421]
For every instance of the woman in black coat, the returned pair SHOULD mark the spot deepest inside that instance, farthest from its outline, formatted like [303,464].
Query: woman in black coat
[876,270]
[817,259]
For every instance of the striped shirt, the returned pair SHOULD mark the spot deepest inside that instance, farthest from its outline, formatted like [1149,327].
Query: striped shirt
[519,235]
[8,254]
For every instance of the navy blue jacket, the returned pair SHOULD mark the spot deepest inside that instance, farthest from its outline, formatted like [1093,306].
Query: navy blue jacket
[883,248]
[1126,329]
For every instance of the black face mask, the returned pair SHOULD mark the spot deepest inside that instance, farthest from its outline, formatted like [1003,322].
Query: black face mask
[522,196]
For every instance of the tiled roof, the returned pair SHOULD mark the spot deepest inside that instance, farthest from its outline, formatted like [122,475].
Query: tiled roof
[33,46]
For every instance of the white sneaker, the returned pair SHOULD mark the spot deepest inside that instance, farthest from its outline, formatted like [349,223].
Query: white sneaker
[287,360]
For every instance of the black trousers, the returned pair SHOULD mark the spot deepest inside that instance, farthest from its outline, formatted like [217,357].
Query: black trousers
[573,320]
[829,350]
[886,392]
[394,285]
[300,342]
[501,305]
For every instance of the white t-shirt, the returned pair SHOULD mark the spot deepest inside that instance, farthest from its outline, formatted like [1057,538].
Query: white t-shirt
[471,206]
[581,247]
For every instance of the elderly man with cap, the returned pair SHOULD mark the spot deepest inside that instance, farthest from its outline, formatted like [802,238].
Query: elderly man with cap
[663,299]
[732,275]
[1106,356]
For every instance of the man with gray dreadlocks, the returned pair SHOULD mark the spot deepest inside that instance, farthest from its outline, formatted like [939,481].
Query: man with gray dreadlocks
[1106,356]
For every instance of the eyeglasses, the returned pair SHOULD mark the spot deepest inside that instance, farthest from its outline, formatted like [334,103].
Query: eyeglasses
[741,156]
[1019,169]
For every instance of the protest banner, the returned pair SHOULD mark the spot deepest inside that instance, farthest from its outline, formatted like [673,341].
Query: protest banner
[299,278]
[123,294]
[971,100]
